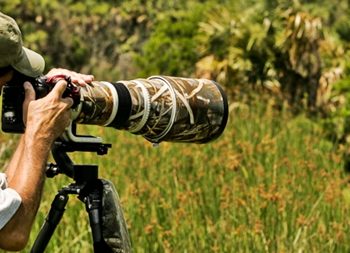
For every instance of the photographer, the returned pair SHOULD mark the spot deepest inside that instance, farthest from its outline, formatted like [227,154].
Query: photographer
[22,183]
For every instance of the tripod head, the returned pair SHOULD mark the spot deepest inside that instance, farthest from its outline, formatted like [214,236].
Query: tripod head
[108,227]
[64,164]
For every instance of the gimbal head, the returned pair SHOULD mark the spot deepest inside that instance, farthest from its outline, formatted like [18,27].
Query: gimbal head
[108,227]
[71,142]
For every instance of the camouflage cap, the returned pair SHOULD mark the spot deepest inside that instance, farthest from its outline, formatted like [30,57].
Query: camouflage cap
[12,52]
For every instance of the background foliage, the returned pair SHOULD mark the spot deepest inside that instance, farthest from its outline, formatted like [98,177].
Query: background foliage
[298,49]
[275,181]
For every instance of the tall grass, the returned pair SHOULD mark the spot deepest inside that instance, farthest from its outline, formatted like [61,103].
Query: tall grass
[271,183]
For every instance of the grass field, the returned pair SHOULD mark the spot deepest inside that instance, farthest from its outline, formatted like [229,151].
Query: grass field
[271,183]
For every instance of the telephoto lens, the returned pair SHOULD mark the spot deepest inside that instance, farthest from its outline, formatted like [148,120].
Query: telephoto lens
[160,108]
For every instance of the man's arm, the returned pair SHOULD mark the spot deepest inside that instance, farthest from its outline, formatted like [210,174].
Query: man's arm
[46,120]
[11,167]
[29,169]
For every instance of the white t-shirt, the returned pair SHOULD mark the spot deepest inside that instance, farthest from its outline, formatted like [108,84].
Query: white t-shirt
[9,201]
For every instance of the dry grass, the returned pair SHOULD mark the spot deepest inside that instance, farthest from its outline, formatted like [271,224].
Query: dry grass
[271,183]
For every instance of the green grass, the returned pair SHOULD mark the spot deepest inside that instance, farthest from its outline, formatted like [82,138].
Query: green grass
[271,183]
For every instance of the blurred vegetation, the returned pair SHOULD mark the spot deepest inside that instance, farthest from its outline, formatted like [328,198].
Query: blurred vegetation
[271,183]
[291,57]
[296,50]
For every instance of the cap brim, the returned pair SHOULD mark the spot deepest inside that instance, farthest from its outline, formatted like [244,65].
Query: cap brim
[29,63]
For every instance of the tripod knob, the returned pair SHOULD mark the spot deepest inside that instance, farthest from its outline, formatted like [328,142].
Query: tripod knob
[52,170]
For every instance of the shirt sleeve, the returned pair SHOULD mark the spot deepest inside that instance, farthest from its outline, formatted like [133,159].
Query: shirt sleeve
[9,201]
[3,182]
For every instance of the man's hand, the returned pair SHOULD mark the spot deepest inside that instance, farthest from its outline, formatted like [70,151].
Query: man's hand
[49,116]
[53,106]
[77,78]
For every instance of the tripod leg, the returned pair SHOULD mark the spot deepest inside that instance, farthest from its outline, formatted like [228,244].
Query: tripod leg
[51,222]
[92,197]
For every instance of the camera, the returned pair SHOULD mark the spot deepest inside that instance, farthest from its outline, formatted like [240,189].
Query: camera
[160,108]
[13,98]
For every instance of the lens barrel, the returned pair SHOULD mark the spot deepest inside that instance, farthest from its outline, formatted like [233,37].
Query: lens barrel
[160,108]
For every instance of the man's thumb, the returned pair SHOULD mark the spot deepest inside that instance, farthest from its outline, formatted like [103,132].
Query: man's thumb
[29,95]
[28,92]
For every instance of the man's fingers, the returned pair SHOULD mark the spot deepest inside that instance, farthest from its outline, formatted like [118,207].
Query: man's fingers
[58,91]
[69,101]
[82,79]
[80,82]
[77,78]
[59,88]
[29,92]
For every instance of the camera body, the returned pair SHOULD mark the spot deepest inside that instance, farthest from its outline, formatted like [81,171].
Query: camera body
[13,96]
[12,109]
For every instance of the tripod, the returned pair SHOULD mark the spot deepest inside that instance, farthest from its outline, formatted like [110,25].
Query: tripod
[108,228]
